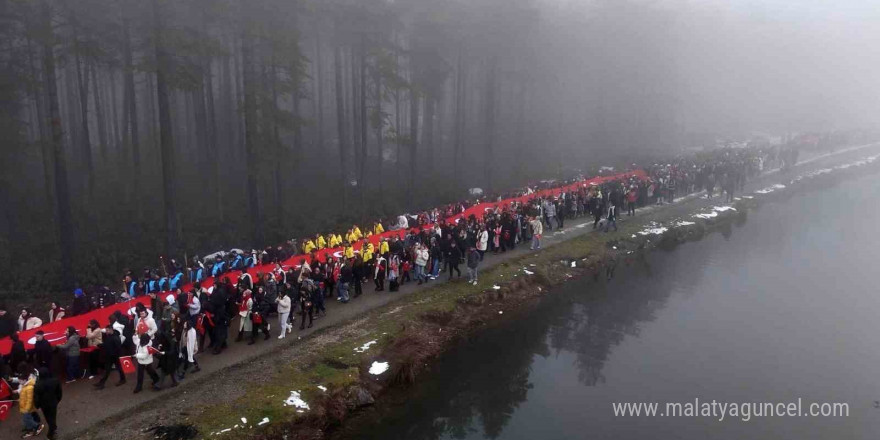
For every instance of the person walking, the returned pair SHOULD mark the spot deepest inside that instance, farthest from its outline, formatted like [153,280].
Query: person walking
[47,395]
[453,257]
[537,231]
[611,219]
[112,348]
[283,302]
[189,348]
[421,262]
[71,349]
[259,316]
[144,356]
[473,261]
[29,416]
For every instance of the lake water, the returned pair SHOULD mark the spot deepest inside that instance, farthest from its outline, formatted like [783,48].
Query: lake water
[781,307]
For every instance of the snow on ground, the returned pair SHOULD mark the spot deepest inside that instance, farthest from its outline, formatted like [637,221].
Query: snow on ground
[656,231]
[365,347]
[723,208]
[295,400]
[707,215]
[682,223]
[378,368]
[263,422]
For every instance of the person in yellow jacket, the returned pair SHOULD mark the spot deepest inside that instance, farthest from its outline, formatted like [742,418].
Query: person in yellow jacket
[335,240]
[357,232]
[378,229]
[308,247]
[320,242]
[350,237]
[349,251]
[384,247]
[367,253]
[29,416]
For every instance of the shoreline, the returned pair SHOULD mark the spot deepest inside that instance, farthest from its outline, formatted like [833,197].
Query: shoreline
[408,332]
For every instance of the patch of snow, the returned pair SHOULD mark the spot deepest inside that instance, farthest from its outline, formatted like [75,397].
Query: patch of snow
[723,208]
[574,264]
[682,223]
[263,422]
[322,388]
[295,400]
[365,347]
[496,287]
[748,197]
[500,312]
[528,272]
[225,430]
[707,215]
[244,420]
[656,231]
[378,368]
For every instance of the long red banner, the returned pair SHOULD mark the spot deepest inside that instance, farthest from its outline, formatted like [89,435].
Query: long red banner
[55,331]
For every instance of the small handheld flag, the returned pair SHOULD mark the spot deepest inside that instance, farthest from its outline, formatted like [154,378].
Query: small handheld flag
[127,364]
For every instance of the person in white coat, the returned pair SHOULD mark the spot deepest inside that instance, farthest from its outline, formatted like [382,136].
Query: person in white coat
[284,307]
[189,348]
[482,241]
[144,356]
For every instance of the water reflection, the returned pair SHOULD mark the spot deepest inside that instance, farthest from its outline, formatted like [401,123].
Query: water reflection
[477,387]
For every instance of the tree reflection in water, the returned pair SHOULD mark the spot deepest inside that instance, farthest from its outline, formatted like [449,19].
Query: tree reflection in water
[475,388]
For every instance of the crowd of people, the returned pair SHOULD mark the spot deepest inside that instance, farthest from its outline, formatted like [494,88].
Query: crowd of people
[167,338]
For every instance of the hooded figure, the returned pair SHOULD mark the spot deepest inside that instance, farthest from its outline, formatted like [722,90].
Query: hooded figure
[80,303]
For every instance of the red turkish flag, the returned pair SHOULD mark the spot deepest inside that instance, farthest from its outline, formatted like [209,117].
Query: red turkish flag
[127,363]
[153,350]
[5,409]
[5,390]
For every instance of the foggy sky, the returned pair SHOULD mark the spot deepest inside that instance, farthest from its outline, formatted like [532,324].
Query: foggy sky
[747,65]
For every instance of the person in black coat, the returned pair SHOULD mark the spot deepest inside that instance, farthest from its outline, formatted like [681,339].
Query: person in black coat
[7,323]
[170,348]
[47,395]
[80,303]
[453,258]
[220,317]
[17,355]
[42,351]
[112,348]
[260,315]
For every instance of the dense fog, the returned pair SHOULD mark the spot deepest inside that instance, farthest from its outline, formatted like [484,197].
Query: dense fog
[136,128]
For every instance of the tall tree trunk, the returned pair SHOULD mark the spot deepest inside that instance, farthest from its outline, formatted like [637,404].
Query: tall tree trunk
[250,134]
[82,80]
[319,91]
[99,114]
[45,132]
[414,141]
[340,122]
[131,130]
[380,125]
[280,156]
[166,140]
[459,121]
[213,145]
[65,222]
[428,141]
[490,123]
[362,89]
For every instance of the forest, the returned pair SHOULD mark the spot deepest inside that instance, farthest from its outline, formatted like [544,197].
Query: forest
[138,128]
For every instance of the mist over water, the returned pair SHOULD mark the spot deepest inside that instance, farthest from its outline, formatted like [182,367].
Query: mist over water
[780,307]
